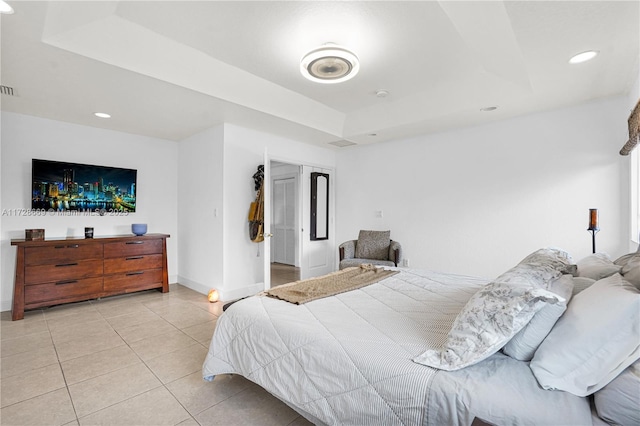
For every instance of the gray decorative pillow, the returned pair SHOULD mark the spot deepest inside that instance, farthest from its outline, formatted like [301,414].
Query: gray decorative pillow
[631,271]
[581,283]
[524,344]
[619,402]
[373,245]
[622,260]
[597,266]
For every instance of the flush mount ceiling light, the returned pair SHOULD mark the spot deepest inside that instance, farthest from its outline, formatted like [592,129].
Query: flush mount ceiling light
[583,57]
[329,64]
[102,115]
[5,8]
[489,108]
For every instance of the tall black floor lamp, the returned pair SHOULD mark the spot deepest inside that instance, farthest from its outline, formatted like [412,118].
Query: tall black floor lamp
[593,226]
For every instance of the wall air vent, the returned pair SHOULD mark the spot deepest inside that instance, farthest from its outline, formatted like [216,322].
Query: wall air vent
[6,90]
[342,143]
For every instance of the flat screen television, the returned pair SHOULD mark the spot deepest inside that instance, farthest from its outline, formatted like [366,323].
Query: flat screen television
[59,186]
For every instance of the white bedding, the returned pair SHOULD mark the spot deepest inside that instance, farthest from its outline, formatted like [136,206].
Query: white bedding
[347,359]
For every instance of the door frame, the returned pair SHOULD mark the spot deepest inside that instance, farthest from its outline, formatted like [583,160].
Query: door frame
[304,228]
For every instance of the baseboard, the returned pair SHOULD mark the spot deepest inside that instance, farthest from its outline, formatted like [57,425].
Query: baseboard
[226,295]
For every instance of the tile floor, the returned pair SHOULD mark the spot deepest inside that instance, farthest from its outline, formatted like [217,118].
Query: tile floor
[282,274]
[124,360]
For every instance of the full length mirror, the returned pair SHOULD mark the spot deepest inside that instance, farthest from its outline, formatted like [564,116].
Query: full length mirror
[319,206]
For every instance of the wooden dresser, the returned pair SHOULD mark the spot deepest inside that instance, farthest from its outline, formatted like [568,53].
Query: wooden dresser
[54,271]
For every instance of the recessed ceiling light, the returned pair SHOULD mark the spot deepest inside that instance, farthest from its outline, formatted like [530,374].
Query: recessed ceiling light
[329,63]
[583,57]
[5,8]
[381,93]
[102,115]
[489,108]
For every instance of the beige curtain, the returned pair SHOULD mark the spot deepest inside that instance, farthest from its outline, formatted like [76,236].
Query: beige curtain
[634,131]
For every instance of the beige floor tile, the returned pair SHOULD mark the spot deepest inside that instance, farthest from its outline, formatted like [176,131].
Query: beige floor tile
[80,330]
[109,311]
[73,318]
[103,391]
[153,347]
[24,362]
[129,320]
[99,363]
[252,406]
[12,329]
[188,317]
[300,421]
[87,345]
[201,332]
[156,407]
[189,422]
[212,308]
[145,330]
[196,394]
[34,383]
[32,315]
[51,409]
[28,343]
[59,311]
[73,423]
[177,364]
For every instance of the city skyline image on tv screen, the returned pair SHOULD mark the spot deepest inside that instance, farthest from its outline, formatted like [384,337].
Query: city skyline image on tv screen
[61,186]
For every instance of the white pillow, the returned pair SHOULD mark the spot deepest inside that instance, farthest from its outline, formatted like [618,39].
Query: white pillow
[597,266]
[489,319]
[524,344]
[597,337]
[619,402]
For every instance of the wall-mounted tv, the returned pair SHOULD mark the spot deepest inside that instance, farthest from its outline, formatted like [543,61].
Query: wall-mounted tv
[63,186]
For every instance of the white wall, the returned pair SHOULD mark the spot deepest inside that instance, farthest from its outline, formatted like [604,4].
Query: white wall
[25,137]
[200,210]
[476,201]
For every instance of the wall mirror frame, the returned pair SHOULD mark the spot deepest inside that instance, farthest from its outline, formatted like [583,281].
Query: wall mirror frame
[319,206]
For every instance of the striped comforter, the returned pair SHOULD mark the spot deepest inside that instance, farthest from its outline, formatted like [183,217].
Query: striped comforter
[347,359]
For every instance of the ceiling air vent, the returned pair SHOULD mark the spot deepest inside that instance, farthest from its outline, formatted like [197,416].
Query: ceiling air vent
[342,143]
[6,90]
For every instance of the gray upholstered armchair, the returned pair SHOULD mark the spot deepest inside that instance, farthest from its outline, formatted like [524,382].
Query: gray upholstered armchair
[373,247]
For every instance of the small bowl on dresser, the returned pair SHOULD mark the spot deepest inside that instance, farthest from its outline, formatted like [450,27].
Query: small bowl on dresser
[139,228]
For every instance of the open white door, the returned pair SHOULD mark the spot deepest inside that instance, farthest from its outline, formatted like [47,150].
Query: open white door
[317,256]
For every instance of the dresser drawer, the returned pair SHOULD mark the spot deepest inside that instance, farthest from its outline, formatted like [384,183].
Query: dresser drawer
[62,289]
[73,270]
[132,263]
[64,252]
[132,247]
[133,281]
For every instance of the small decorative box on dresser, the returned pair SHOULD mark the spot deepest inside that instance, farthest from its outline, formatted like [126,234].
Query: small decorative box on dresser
[54,271]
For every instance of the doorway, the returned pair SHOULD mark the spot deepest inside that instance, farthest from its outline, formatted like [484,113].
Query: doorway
[285,223]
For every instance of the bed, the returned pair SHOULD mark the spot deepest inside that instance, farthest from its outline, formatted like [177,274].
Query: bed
[361,357]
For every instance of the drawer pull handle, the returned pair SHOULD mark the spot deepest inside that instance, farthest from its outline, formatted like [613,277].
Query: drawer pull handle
[66,282]
[59,247]
[67,264]
[134,242]
[74,246]
[134,257]
[135,273]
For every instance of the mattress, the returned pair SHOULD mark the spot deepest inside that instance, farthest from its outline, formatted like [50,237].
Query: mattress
[347,359]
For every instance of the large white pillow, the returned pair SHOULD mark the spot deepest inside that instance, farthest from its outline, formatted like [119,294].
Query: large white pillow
[524,344]
[619,402]
[597,338]
[581,283]
[631,271]
[597,266]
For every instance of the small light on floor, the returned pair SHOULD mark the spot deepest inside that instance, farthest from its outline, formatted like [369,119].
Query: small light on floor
[213,295]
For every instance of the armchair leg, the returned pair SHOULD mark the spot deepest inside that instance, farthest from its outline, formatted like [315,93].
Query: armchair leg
[396,256]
